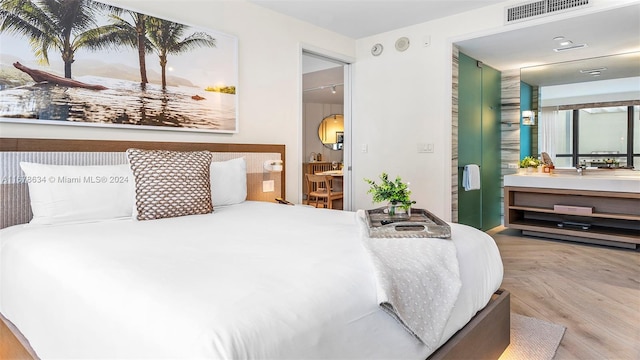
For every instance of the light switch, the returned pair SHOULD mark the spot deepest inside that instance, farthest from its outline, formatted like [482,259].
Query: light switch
[425,147]
[364,148]
[268,186]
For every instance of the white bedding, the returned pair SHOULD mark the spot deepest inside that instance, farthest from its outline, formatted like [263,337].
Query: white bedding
[417,281]
[253,280]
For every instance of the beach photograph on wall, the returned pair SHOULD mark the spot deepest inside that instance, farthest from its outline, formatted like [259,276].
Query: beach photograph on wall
[83,62]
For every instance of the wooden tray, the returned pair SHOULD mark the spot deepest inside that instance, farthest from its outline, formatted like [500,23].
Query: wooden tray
[421,224]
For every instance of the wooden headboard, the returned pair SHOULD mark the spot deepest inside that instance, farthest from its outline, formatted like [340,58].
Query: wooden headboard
[14,198]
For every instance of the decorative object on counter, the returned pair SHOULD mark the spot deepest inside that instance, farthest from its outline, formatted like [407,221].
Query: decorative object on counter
[313,157]
[396,193]
[530,163]
[547,164]
[420,224]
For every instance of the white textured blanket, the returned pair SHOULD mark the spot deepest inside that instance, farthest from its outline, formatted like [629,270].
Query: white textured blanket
[418,281]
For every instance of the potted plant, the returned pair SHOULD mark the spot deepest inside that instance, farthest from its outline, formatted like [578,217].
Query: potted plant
[611,163]
[395,192]
[529,163]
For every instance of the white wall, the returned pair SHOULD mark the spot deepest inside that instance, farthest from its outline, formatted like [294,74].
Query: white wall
[269,77]
[399,100]
[402,99]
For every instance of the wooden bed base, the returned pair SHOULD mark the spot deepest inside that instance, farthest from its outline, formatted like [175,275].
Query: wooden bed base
[486,336]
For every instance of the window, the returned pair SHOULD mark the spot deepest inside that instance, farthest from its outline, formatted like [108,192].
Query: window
[563,130]
[597,136]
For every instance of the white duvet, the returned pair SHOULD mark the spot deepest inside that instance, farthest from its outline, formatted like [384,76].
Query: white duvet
[254,280]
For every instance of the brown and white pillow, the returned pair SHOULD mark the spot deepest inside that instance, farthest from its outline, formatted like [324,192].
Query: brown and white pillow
[171,183]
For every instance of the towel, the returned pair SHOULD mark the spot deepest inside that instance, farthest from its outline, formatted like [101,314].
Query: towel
[417,281]
[471,177]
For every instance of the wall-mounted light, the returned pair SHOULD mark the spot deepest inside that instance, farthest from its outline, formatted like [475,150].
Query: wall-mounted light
[333,89]
[528,117]
[273,165]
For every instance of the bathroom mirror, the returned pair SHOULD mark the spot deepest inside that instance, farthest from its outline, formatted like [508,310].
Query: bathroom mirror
[600,93]
[331,131]
[584,70]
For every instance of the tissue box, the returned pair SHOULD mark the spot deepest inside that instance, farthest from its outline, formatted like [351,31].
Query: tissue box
[573,210]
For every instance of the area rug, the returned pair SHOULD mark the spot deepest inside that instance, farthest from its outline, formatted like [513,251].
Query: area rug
[533,339]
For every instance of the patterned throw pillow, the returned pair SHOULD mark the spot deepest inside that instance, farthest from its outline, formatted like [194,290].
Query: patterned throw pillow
[171,183]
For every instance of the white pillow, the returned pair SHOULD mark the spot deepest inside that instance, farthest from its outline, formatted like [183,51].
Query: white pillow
[71,194]
[228,182]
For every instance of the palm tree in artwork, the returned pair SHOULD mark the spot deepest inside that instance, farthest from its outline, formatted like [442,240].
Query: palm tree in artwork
[62,25]
[132,33]
[166,38]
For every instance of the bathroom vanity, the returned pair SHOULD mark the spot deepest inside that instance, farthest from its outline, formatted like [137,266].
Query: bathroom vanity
[600,206]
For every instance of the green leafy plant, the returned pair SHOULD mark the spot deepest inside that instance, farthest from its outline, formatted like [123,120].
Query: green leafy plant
[396,192]
[529,161]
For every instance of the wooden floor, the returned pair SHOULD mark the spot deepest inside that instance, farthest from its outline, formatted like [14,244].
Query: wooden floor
[592,290]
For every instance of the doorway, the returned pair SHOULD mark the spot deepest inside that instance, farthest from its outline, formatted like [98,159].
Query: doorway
[326,122]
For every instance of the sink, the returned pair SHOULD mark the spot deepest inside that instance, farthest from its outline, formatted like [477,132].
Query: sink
[594,181]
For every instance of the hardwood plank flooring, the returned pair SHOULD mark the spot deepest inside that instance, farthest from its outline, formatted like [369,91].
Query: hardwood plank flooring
[592,290]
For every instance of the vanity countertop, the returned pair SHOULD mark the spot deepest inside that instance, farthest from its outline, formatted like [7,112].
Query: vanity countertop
[593,180]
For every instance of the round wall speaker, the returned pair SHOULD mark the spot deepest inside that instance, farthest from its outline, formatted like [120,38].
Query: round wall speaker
[402,44]
[377,49]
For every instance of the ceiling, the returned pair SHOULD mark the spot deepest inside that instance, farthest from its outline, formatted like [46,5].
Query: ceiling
[534,45]
[316,85]
[361,18]
[608,32]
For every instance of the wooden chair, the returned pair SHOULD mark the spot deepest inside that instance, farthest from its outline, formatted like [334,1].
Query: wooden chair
[319,188]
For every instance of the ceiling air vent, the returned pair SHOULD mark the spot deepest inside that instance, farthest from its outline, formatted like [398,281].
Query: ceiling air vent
[539,8]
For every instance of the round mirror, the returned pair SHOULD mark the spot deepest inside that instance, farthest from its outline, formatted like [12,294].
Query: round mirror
[331,131]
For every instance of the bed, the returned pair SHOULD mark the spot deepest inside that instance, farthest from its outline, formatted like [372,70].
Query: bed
[252,279]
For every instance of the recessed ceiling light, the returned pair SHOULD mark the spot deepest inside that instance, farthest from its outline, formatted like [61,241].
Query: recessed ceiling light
[573,47]
[591,71]
[566,43]
[558,38]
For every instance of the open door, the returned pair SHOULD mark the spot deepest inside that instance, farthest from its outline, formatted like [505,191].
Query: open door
[326,122]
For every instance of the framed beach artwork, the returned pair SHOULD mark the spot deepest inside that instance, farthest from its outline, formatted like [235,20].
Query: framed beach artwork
[87,63]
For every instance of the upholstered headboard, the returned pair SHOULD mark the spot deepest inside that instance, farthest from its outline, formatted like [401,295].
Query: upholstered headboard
[14,194]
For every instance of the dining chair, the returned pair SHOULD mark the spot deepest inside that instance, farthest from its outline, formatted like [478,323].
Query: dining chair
[319,187]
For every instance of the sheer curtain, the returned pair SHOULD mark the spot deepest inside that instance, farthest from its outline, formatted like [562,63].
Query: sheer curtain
[547,131]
